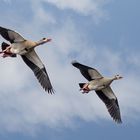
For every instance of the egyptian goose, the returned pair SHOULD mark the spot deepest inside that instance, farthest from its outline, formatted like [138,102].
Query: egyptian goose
[101,85]
[25,48]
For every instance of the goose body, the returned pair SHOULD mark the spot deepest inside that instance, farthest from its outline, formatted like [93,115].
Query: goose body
[101,85]
[25,48]
[22,48]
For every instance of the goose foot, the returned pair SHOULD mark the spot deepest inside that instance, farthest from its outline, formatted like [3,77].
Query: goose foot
[85,91]
[7,54]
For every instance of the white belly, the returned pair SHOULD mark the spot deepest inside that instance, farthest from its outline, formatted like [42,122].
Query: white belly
[17,48]
[96,87]
[99,84]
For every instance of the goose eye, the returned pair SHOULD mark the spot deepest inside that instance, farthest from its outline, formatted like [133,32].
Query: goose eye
[44,38]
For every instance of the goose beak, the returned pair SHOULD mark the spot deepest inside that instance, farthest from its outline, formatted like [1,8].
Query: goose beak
[120,77]
[49,39]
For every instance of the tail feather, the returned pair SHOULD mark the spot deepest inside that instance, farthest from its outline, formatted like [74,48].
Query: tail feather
[81,85]
[4,45]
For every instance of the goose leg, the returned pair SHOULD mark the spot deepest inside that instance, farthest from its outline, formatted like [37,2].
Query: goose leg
[6,55]
[6,52]
[7,49]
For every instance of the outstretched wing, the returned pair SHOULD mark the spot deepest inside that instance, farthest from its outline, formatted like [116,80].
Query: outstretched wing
[10,35]
[111,102]
[88,72]
[33,61]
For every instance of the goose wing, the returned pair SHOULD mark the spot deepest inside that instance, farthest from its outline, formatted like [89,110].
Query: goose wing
[33,61]
[10,35]
[88,72]
[111,102]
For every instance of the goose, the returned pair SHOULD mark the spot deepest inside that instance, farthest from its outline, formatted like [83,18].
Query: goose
[25,48]
[101,85]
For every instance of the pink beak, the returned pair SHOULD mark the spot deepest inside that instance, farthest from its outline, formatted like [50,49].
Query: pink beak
[49,39]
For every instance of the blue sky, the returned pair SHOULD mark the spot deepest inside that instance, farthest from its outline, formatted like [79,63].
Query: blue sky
[103,34]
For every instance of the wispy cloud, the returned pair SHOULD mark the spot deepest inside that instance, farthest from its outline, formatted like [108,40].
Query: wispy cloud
[93,8]
[24,104]
[87,7]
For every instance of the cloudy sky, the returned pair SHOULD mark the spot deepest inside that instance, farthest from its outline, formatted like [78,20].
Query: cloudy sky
[103,34]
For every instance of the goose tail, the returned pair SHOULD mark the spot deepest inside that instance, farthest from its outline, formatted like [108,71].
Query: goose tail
[81,85]
[4,46]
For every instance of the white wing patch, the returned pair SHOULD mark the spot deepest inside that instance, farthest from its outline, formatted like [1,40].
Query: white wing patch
[33,57]
[109,93]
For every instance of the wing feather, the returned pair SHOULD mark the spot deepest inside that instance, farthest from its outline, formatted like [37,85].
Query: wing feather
[10,35]
[111,102]
[88,72]
[33,61]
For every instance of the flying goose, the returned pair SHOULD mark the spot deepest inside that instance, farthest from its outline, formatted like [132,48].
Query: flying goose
[25,48]
[101,85]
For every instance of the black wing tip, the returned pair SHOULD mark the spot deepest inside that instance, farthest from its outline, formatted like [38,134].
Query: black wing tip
[116,118]
[50,91]
[4,28]
[1,28]
[118,121]
[74,61]
[4,45]
[81,85]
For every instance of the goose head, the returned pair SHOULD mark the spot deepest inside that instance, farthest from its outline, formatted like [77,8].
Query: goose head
[117,77]
[43,40]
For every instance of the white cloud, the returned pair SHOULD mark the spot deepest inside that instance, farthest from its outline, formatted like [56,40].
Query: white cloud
[40,14]
[86,7]
[27,109]
[93,8]
[11,74]
[24,104]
